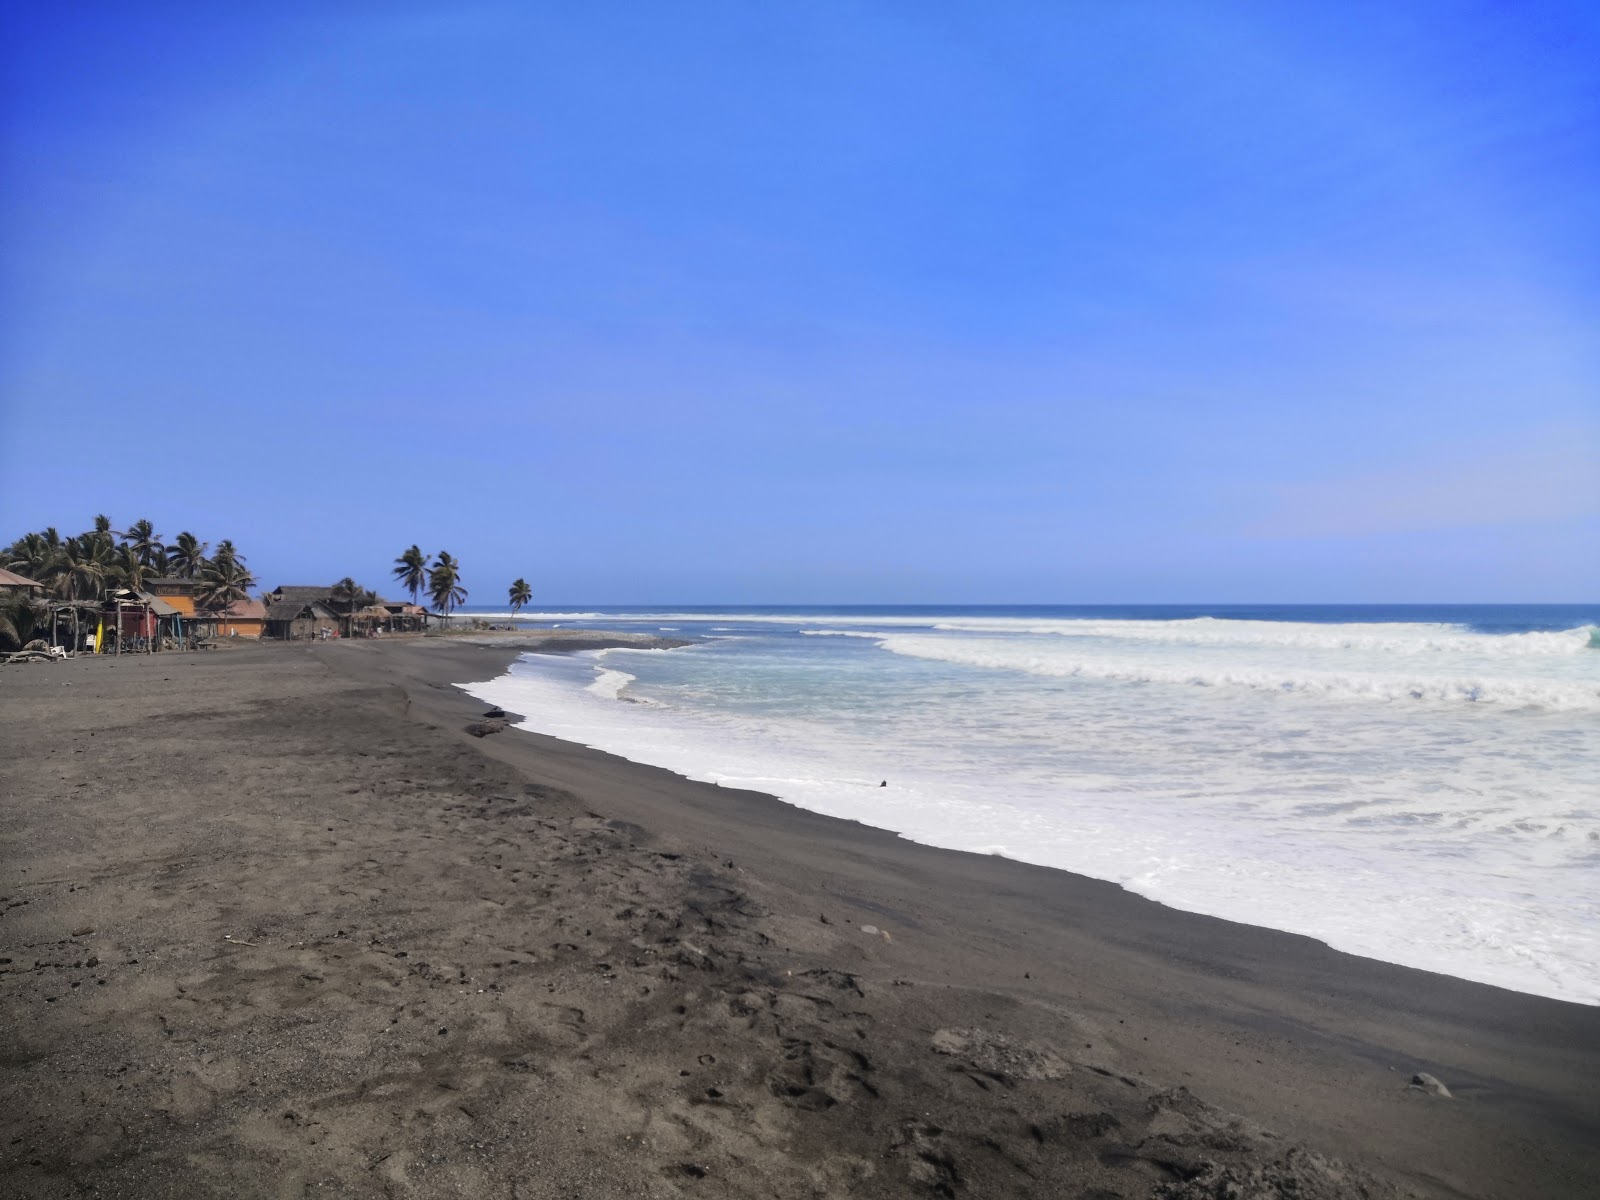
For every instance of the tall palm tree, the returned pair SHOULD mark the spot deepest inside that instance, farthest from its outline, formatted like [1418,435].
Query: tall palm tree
[88,562]
[188,555]
[141,535]
[411,569]
[521,593]
[224,583]
[32,555]
[444,584]
[226,554]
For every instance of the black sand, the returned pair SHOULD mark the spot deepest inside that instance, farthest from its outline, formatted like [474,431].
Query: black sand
[510,966]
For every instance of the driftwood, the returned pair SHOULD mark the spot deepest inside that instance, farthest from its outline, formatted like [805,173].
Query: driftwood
[33,656]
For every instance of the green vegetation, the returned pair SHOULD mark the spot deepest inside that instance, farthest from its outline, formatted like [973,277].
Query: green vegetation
[351,596]
[20,619]
[521,594]
[85,567]
[444,583]
[411,569]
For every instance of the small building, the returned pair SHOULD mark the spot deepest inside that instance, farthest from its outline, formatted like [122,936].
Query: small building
[12,584]
[127,623]
[294,613]
[182,594]
[404,617]
[242,619]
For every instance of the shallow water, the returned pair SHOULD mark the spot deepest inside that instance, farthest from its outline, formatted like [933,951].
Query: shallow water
[1415,785]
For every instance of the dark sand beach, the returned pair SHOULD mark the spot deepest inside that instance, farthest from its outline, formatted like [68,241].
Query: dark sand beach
[272,923]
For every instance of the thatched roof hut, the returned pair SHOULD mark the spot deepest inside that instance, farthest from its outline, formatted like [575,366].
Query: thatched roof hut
[13,584]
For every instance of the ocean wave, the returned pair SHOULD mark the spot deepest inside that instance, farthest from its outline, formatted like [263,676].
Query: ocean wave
[610,683]
[1393,637]
[1034,658]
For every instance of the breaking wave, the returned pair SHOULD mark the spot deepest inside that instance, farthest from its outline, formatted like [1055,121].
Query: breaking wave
[1035,658]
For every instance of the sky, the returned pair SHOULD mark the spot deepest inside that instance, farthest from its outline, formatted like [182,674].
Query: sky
[898,302]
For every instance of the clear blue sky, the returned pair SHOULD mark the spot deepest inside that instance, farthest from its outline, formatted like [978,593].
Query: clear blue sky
[1047,302]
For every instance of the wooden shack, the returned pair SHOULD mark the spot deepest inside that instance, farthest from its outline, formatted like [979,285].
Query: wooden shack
[296,613]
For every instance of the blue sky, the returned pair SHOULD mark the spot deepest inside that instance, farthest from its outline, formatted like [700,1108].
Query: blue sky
[911,302]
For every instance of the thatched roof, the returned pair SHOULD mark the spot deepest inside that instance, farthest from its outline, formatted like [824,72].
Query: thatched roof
[10,579]
[301,594]
[294,610]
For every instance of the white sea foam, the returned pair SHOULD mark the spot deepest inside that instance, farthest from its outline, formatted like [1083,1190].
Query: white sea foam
[1400,637]
[1435,807]
[1376,683]
[611,684]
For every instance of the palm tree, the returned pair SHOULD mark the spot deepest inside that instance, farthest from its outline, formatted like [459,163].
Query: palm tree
[188,555]
[33,555]
[129,568]
[411,569]
[444,584]
[227,555]
[142,537]
[87,562]
[521,593]
[354,596]
[224,583]
[20,618]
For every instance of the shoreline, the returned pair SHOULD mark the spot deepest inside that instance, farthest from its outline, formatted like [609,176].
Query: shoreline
[691,770]
[499,966]
[1339,1009]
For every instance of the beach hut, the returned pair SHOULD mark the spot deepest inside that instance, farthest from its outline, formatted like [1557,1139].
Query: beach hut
[242,619]
[168,619]
[404,617]
[12,584]
[301,612]
[126,624]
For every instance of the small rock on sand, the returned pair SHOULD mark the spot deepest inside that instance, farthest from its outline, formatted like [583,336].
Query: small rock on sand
[485,728]
[1423,1082]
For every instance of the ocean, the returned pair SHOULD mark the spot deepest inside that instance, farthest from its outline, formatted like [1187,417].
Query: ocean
[1416,784]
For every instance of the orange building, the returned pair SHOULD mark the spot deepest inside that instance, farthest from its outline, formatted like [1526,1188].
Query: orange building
[241,619]
[180,593]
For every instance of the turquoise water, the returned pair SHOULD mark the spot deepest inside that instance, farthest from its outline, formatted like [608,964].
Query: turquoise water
[1416,784]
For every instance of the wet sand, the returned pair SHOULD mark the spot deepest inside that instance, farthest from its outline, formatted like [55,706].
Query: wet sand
[274,923]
